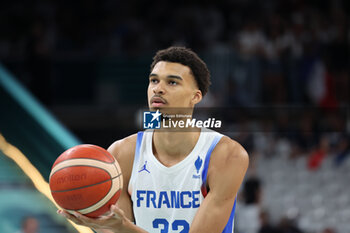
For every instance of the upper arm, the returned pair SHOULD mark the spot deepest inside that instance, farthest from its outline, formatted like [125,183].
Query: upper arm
[123,150]
[228,165]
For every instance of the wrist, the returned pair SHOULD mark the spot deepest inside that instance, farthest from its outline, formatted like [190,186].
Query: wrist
[122,226]
[130,227]
[135,229]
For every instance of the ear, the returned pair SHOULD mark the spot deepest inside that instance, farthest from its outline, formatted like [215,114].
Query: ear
[197,97]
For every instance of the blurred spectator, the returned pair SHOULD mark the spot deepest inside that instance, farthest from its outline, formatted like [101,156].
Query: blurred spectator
[266,226]
[287,226]
[305,139]
[30,225]
[252,191]
[264,141]
[328,230]
[317,156]
[342,150]
[250,39]
[321,86]
[248,219]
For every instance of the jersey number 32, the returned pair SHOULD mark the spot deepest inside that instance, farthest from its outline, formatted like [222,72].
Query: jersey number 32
[176,225]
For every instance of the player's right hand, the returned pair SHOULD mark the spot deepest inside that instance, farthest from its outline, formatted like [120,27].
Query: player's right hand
[115,221]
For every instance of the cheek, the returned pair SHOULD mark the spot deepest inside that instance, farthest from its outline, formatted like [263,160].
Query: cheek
[186,97]
[149,92]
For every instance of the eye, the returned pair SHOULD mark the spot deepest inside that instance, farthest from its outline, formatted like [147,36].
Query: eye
[153,80]
[173,83]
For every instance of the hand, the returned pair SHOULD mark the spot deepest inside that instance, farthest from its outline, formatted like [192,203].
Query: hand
[115,220]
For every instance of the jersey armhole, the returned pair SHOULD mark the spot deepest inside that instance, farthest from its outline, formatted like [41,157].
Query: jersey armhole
[136,158]
[204,187]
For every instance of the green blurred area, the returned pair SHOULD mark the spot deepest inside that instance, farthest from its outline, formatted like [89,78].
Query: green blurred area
[25,124]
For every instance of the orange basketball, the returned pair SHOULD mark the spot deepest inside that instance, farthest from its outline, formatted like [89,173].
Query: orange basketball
[87,179]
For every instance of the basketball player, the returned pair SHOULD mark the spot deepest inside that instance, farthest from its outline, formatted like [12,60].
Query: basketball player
[175,181]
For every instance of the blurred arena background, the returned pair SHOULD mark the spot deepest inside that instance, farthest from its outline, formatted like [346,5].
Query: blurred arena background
[280,68]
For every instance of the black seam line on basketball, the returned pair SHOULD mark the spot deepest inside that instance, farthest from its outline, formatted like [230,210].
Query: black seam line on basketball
[110,188]
[82,165]
[86,186]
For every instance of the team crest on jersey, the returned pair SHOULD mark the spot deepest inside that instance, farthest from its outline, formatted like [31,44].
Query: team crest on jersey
[198,164]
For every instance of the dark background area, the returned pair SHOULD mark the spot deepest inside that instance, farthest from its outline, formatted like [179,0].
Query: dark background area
[88,61]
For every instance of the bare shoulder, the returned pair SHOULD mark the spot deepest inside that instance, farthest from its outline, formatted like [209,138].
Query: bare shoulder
[123,150]
[228,164]
[123,147]
[229,151]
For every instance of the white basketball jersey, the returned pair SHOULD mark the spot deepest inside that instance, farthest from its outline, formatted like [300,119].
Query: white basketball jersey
[166,199]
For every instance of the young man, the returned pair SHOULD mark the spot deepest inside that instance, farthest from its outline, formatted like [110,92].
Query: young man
[175,180]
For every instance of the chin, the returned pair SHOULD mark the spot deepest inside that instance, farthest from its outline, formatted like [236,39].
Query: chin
[154,109]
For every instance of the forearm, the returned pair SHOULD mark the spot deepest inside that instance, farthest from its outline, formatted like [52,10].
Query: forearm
[214,220]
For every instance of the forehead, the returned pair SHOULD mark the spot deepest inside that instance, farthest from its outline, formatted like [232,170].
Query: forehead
[171,68]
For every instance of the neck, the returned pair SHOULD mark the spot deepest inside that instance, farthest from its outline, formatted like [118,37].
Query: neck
[170,147]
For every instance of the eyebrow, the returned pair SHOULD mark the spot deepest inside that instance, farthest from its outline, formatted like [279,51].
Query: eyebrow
[168,76]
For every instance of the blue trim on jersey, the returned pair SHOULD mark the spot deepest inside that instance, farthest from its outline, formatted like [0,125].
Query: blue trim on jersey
[229,226]
[207,158]
[138,146]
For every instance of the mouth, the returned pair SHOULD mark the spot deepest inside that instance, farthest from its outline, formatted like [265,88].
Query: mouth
[158,102]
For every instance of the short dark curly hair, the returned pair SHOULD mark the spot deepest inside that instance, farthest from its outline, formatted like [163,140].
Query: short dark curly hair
[186,57]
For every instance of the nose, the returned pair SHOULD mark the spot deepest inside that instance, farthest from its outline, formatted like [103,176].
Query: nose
[159,88]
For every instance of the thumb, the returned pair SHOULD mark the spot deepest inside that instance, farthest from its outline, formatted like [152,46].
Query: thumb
[118,213]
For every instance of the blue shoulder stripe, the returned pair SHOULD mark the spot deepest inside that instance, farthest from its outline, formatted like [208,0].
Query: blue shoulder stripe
[138,147]
[229,225]
[207,159]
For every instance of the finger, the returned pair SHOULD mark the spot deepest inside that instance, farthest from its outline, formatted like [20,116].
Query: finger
[104,218]
[118,213]
[92,221]
[68,216]
[107,215]
[63,213]
[80,216]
